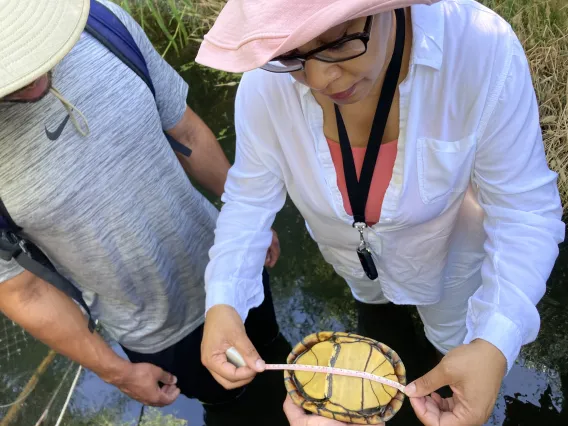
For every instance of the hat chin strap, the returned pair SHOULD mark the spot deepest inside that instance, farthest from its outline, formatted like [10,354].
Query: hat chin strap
[71,109]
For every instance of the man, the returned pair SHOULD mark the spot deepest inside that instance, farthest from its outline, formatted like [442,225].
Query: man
[89,175]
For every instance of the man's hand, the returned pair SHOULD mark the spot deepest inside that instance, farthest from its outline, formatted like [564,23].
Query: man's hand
[273,251]
[53,318]
[474,372]
[297,417]
[224,329]
[140,381]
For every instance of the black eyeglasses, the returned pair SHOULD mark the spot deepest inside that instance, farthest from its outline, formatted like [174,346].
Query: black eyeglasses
[344,49]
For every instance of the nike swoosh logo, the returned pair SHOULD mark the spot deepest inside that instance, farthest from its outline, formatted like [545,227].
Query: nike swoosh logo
[55,135]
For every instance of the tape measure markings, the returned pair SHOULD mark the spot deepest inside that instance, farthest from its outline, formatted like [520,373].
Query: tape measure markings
[338,371]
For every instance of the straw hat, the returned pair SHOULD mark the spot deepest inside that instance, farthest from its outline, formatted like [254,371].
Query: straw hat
[249,33]
[34,36]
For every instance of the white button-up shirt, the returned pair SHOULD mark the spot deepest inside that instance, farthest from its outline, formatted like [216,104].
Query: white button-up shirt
[470,187]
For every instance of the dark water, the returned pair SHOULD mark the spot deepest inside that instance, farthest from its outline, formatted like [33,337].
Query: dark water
[309,297]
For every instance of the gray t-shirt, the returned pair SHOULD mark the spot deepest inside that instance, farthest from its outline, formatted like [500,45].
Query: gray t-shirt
[114,211]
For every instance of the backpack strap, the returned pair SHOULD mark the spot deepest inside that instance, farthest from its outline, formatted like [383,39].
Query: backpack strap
[6,221]
[30,257]
[105,26]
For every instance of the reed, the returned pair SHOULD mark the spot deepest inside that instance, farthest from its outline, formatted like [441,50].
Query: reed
[173,24]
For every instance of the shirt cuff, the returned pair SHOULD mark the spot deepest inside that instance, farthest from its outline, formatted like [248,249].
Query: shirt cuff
[498,330]
[228,293]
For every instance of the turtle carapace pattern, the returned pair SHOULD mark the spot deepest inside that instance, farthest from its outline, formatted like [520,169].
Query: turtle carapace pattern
[344,398]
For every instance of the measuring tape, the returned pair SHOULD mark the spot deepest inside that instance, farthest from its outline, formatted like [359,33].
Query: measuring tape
[338,371]
[237,360]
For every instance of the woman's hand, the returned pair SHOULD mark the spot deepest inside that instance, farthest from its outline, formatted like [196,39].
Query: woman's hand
[273,252]
[474,372]
[224,329]
[297,417]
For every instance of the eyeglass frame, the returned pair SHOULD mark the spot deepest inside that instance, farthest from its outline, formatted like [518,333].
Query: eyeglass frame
[364,36]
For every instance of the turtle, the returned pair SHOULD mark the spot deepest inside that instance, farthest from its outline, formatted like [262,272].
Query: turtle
[343,398]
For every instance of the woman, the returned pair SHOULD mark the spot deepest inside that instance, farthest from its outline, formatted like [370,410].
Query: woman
[458,214]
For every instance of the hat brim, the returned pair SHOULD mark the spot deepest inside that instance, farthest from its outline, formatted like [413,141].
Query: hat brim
[248,52]
[35,36]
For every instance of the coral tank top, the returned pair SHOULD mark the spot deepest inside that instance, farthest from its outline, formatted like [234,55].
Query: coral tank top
[381,176]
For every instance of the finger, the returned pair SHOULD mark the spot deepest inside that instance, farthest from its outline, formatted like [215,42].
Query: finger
[276,245]
[230,374]
[432,406]
[445,404]
[228,384]
[418,405]
[297,417]
[425,410]
[428,411]
[275,255]
[294,414]
[234,374]
[167,378]
[168,394]
[268,260]
[451,403]
[428,383]
[271,259]
[436,397]
[231,368]
[247,350]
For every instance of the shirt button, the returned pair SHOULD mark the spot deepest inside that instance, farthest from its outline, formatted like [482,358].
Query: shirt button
[397,180]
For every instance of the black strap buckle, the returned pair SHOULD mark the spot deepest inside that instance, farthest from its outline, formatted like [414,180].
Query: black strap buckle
[13,246]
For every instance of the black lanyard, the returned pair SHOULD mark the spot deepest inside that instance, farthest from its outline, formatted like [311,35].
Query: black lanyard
[358,190]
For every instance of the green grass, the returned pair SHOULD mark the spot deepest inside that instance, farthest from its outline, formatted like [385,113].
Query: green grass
[542,27]
[173,24]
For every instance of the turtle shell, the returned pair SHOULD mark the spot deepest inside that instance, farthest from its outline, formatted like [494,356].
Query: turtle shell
[343,398]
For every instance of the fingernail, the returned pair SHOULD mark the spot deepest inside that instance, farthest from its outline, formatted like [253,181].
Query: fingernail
[410,389]
[260,365]
[175,379]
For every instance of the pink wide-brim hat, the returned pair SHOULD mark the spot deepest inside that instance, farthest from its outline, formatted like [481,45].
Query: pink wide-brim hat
[249,33]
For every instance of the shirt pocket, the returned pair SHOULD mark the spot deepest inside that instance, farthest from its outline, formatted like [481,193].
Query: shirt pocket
[444,167]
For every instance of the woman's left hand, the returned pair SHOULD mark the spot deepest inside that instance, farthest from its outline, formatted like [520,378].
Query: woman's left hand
[474,372]
[273,252]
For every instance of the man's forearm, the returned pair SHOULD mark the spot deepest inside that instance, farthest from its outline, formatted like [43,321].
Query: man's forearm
[53,318]
[207,163]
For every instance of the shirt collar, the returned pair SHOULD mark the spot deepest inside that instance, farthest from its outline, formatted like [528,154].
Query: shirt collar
[428,35]
[427,43]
